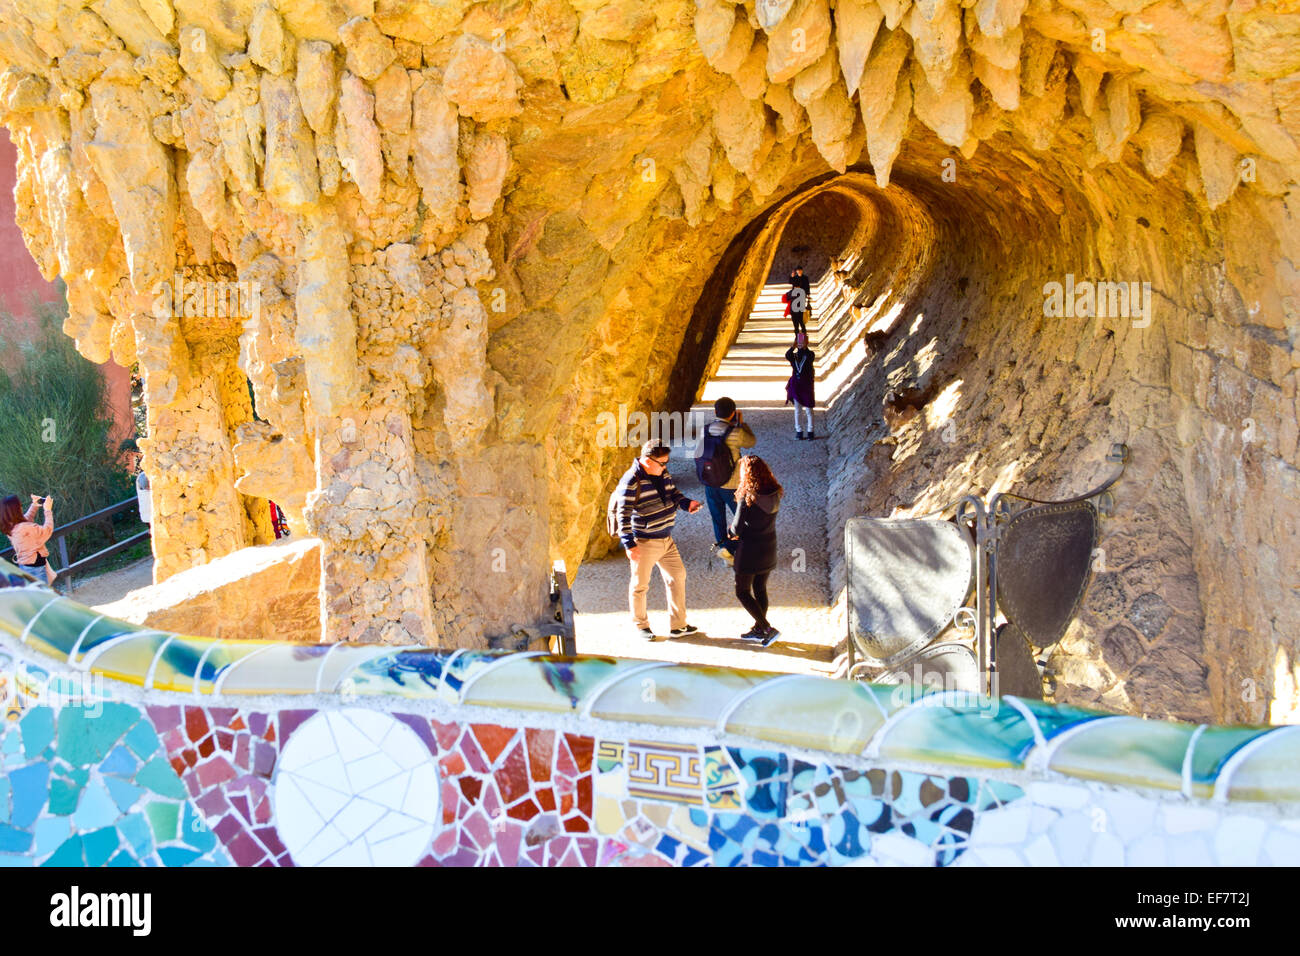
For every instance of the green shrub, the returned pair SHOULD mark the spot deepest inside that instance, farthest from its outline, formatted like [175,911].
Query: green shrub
[54,428]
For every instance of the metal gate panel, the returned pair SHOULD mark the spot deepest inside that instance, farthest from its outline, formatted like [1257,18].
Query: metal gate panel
[1043,559]
[906,578]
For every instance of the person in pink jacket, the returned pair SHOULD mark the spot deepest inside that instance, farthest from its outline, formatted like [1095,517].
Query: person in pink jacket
[27,537]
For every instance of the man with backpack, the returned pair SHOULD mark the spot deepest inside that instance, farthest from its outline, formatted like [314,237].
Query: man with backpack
[641,512]
[724,437]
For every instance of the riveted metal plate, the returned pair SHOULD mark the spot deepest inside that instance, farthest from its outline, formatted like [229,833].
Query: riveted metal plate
[1043,560]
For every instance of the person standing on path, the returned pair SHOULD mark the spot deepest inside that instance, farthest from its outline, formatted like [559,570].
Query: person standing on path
[729,427]
[800,300]
[647,500]
[799,389]
[758,495]
[27,537]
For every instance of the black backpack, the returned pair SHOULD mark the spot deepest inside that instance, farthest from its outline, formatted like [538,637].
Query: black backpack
[715,464]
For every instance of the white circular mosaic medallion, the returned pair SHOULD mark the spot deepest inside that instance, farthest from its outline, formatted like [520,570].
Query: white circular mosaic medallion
[355,788]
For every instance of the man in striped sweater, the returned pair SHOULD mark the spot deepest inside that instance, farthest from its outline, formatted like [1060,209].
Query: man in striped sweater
[648,500]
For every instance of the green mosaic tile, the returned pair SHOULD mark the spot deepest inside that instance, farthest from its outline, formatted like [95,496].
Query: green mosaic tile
[64,796]
[676,696]
[129,659]
[1054,718]
[86,737]
[992,735]
[1126,750]
[163,819]
[555,684]
[98,633]
[159,777]
[174,669]
[814,712]
[38,731]
[57,631]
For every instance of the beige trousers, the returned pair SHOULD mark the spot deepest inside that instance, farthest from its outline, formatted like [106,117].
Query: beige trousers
[663,552]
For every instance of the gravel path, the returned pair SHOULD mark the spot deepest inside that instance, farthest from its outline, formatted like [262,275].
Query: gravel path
[754,374]
[112,585]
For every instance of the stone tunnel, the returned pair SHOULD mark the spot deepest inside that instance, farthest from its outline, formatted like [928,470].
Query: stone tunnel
[439,240]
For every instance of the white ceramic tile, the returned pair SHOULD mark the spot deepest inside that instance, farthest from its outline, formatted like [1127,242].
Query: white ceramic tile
[999,856]
[1063,795]
[1189,850]
[1129,815]
[1003,825]
[1041,853]
[901,849]
[1149,850]
[1281,847]
[375,811]
[1042,817]
[1238,840]
[1072,835]
[1107,850]
[1187,819]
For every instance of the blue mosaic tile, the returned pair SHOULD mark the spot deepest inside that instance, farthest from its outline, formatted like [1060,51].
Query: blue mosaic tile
[195,832]
[124,859]
[120,761]
[4,799]
[38,731]
[68,854]
[124,794]
[64,796]
[9,860]
[13,840]
[30,791]
[99,845]
[668,847]
[86,739]
[177,856]
[10,744]
[96,809]
[50,834]
[143,740]
[694,857]
[135,828]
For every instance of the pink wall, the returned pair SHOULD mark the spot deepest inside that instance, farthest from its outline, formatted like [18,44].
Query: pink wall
[22,285]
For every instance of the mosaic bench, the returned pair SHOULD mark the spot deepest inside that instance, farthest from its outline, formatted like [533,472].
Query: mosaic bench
[124,746]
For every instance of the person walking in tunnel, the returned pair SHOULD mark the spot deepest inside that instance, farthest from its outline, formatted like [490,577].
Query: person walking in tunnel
[758,496]
[800,299]
[724,437]
[27,537]
[799,388]
[645,505]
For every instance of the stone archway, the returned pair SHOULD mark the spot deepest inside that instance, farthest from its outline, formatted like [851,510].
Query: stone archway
[476,227]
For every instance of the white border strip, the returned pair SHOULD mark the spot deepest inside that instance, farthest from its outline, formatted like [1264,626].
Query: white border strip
[220,682]
[1223,782]
[320,671]
[1187,760]
[32,620]
[1019,707]
[153,664]
[1040,758]
[96,652]
[72,654]
[734,704]
[505,659]
[198,668]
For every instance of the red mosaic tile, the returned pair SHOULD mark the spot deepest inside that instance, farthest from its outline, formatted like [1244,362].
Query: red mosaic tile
[545,796]
[207,747]
[492,803]
[445,841]
[452,764]
[238,724]
[225,740]
[262,814]
[196,723]
[541,753]
[473,755]
[173,740]
[471,787]
[215,771]
[524,810]
[427,861]
[566,802]
[178,765]
[447,734]
[190,757]
[576,824]
[565,765]
[450,802]
[584,794]
[242,751]
[493,739]
[512,777]
[582,749]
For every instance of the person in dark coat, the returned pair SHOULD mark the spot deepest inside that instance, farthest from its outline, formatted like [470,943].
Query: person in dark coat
[800,299]
[758,499]
[799,389]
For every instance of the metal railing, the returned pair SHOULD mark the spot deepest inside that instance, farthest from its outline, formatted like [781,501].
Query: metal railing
[66,569]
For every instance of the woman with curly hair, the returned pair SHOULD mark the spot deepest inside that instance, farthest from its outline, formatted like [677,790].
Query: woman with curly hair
[27,537]
[758,498]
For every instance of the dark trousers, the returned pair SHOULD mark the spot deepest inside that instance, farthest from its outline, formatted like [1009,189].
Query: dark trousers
[751,590]
[722,502]
[799,326]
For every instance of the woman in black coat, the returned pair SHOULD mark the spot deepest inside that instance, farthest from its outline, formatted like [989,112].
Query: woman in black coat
[758,498]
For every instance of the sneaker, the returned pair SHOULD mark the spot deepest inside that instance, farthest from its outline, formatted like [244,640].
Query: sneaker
[755,633]
[770,636]
[645,633]
[812,435]
[728,558]
[683,631]
[799,435]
